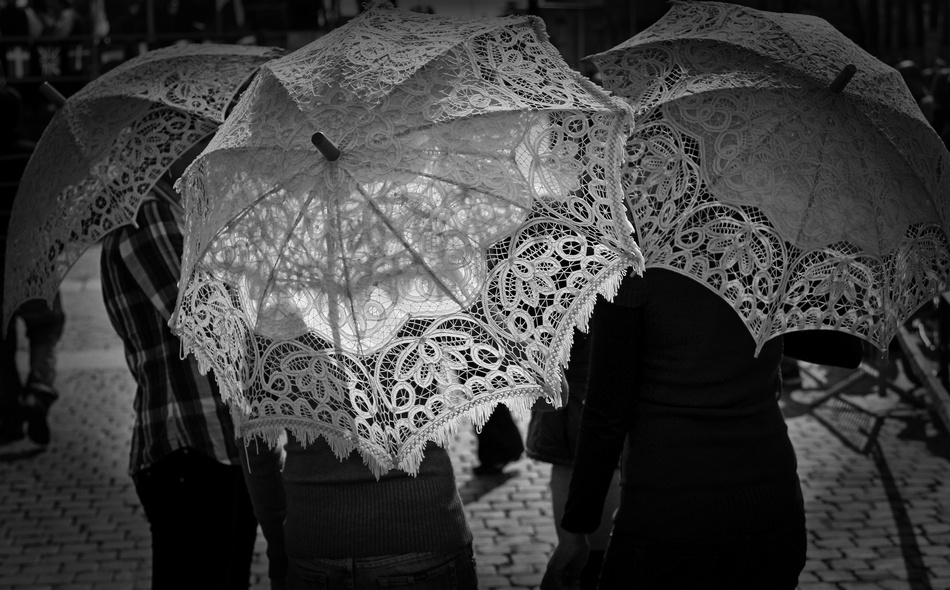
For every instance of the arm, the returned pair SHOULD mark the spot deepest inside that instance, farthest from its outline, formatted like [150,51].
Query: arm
[262,474]
[611,388]
[613,373]
[825,347]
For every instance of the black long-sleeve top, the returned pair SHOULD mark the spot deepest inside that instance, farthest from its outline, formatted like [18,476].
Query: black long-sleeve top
[673,375]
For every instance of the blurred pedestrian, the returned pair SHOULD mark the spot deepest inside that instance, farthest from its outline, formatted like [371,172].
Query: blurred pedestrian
[552,437]
[498,442]
[24,404]
[58,18]
[913,76]
[185,460]
[15,21]
[940,90]
[28,403]
[710,496]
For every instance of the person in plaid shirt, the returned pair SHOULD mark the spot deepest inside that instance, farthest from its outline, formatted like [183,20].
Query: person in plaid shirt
[185,459]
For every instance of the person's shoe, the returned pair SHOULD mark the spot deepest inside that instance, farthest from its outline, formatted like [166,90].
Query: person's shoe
[494,467]
[792,381]
[36,401]
[488,469]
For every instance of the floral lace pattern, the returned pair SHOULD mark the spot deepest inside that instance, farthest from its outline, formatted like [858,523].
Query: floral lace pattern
[438,267]
[803,208]
[104,150]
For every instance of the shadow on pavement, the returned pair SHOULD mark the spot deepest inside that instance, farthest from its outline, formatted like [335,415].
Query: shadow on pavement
[478,486]
[16,452]
[910,550]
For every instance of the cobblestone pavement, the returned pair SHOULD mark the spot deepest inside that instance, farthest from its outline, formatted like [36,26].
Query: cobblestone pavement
[69,517]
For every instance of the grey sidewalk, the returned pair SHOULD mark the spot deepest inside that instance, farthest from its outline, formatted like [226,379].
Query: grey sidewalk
[69,517]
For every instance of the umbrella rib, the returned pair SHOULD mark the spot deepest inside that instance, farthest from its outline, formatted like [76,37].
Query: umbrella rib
[233,221]
[230,224]
[175,206]
[432,124]
[786,279]
[807,213]
[473,189]
[335,319]
[164,196]
[246,210]
[372,205]
[287,235]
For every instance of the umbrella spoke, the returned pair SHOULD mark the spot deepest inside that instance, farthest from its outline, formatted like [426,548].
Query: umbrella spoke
[450,181]
[409,248]
[331,304]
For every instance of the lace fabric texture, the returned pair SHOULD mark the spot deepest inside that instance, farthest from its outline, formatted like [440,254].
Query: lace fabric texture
[104,150]
[802,207]
[438,267]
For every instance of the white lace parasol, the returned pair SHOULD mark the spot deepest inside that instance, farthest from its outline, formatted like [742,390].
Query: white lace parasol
[104,150]
[437,267]
[804,203]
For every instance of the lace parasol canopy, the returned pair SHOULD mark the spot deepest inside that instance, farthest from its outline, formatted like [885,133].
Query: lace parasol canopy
[806,199]
[433,263]
[104,150]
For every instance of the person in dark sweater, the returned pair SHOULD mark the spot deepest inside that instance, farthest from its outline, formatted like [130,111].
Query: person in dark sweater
[331,522]
[710,496]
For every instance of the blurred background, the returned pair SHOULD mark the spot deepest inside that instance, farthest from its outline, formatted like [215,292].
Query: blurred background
[69,42]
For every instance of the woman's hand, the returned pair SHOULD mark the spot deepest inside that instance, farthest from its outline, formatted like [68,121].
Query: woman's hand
[567,561]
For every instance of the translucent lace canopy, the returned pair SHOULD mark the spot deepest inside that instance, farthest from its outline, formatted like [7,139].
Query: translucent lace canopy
[104,150]
[803,205]
[437,267]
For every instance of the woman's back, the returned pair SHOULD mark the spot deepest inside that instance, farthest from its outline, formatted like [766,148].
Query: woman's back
[360,516]
[707,451]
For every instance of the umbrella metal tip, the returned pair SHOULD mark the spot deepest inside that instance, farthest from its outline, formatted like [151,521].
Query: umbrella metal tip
[52,94]
[326,147]
[842,79]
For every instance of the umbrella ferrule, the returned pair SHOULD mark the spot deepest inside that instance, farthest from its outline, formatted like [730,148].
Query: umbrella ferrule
[844,76]
[326,147]
[52,94]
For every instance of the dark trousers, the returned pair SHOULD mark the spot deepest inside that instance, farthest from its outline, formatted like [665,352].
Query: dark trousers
[202,523]
[44,328]
[756,562]
[500,440]
[11,415]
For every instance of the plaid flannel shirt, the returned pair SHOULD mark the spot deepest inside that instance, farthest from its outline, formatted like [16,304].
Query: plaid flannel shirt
[175,406]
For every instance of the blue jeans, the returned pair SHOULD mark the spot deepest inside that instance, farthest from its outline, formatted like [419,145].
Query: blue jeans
[454,570]
[770,561]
